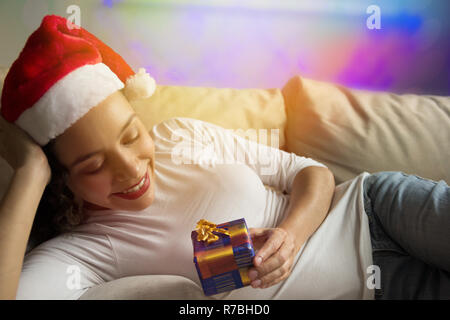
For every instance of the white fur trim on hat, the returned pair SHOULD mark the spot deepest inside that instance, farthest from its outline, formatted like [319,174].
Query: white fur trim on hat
[68,100]
[139,86]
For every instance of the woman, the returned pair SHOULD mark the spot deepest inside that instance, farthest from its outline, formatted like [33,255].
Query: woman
[140,199]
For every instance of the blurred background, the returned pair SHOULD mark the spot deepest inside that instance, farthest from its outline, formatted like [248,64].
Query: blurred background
[260,43]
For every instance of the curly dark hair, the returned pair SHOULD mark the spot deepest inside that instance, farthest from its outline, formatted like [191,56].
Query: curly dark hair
[58,212]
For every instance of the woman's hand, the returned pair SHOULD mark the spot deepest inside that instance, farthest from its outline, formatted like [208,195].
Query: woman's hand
[276,250]
[20,150]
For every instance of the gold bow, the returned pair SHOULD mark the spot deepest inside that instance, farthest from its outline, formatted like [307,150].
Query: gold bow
[205,231]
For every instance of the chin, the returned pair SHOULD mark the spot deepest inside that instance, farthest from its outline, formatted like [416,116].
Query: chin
[141,205]
[135,205]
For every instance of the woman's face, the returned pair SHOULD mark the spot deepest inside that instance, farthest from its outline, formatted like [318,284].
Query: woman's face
[109,156]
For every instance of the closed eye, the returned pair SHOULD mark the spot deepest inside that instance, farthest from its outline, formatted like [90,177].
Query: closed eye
[132,140]
[101,166]
[95,171]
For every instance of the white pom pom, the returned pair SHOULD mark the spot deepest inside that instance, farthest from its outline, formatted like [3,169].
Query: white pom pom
[139,86]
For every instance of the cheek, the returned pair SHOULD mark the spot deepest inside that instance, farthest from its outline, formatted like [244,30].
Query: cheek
[98,186]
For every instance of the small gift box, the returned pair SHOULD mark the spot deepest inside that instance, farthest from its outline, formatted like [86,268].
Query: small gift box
[223,255]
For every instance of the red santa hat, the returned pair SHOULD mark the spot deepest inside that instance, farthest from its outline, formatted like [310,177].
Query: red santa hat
[62,72]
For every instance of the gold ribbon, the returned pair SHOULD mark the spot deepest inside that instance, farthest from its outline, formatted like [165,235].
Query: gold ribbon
[205,231]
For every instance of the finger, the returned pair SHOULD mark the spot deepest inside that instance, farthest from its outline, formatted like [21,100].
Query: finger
[275,281]
[270,247]
[284,276]
[267,271]
[258,232]
[276,275]
[275,261]
[259,236]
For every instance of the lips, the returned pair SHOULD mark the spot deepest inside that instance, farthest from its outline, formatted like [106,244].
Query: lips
[135,191]
[140,181]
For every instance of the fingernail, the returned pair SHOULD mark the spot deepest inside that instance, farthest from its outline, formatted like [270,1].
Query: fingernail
[258,260]
[253,274]
[256,283]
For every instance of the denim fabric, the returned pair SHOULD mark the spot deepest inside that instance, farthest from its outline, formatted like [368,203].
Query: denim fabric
[409,222]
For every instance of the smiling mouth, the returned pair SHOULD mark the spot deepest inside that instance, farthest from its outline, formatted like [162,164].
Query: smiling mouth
[135,191]
[138,186]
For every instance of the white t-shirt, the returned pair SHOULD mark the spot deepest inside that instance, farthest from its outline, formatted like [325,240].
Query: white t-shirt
[199,174]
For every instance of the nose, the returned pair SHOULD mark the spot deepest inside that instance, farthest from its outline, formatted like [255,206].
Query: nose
[126,167]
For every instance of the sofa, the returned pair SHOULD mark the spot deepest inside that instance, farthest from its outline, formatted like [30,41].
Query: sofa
[349,130]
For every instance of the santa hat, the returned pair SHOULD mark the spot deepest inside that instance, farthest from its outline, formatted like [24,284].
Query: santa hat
[62,72]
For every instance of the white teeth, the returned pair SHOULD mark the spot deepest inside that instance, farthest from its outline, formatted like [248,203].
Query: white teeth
[136,188]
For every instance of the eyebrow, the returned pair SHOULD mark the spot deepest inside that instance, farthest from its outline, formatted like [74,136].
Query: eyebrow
[87,156]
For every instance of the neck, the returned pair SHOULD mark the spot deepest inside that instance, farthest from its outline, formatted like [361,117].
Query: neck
[92,206]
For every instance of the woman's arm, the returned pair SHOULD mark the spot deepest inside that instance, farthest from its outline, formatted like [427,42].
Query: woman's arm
[20,202]
[17,211]
[309,203]
[310,200]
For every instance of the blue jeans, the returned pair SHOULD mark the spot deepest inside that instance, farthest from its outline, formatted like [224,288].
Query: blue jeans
[409,222]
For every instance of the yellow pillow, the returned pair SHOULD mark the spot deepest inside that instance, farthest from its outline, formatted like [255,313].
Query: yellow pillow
[230,108]
[352,131]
